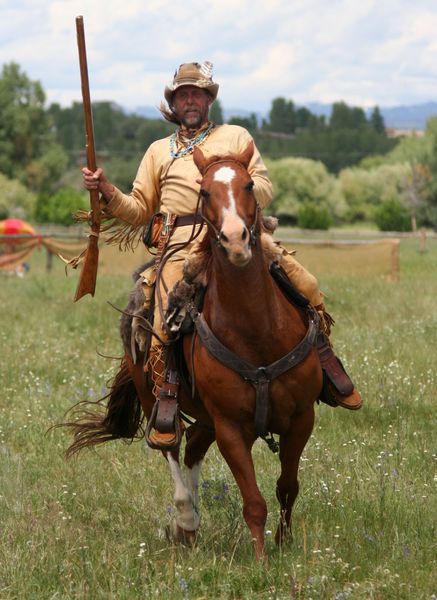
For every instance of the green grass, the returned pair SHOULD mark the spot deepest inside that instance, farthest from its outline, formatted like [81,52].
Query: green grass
[92,527]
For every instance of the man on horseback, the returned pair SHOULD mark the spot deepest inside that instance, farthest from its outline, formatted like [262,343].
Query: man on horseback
[167,182]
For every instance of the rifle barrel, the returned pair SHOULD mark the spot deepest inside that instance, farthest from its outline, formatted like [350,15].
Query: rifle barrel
[88,275]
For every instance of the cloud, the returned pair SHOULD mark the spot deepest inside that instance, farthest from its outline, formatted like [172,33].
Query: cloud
[365,53]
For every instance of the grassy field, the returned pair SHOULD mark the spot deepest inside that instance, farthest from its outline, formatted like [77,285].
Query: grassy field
[92,527]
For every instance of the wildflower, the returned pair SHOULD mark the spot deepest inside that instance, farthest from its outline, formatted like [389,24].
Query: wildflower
[184,586]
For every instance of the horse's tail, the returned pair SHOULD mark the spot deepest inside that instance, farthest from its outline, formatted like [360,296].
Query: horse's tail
[121,417]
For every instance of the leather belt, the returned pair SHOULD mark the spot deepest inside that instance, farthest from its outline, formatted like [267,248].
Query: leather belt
[193,219]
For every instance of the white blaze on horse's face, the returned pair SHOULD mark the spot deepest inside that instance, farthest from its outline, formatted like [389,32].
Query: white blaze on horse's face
[234,235]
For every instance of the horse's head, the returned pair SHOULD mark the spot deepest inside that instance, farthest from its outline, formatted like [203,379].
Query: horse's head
[228,202]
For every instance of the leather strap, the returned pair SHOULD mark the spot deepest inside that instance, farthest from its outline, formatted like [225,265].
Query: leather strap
[259,377]
[166,232]
[168,402]
[183,220]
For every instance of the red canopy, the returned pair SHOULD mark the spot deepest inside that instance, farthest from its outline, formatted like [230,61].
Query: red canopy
[15,227]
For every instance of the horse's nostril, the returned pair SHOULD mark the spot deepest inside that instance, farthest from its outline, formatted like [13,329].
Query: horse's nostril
[223,237]
[244,234]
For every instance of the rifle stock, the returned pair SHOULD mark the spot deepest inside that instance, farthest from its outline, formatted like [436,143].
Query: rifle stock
[88,274]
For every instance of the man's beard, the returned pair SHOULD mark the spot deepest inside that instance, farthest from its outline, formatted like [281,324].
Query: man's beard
[194,121]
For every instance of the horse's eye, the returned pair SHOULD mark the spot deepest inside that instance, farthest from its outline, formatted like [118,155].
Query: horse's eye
[249,186]
[204,193]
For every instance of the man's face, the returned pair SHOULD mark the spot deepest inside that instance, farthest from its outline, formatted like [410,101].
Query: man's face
[191,106]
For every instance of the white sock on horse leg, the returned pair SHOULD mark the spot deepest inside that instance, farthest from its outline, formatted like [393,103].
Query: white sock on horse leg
[186,514]
[192,477]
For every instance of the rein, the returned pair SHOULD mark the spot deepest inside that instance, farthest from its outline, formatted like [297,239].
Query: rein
[258,377]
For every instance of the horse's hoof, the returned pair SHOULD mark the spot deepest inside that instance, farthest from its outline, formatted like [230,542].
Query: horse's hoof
[177,535]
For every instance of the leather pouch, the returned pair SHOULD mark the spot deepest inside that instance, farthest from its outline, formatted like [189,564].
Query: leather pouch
[154,230]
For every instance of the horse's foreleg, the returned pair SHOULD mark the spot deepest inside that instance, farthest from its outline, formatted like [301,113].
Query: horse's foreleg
[291,448]
[183,528]
[236,450]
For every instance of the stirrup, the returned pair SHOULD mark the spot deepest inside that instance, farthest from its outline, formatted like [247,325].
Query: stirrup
[164,428]
[326,395]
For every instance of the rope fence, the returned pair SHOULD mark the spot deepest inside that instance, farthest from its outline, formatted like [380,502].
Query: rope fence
[349,257]
[16,248]
[330,256]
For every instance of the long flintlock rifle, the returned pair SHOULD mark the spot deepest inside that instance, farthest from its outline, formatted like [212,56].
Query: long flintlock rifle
[88,275]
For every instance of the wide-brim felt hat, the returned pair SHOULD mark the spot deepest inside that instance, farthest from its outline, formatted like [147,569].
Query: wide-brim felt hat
[199,75]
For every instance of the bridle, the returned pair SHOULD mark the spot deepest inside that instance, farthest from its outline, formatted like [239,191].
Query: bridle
[253,233]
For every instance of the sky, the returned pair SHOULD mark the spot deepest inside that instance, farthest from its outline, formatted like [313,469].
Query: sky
[364,52]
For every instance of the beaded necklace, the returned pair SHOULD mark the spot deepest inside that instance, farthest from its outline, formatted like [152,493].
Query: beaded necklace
[194,142]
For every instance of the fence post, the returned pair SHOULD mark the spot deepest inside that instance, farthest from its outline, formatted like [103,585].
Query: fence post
[49,260]
[395,261]
[422,240]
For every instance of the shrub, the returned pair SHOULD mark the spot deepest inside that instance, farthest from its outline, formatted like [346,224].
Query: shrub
[297,181]
[60,207]
[391,215]
[311,216]
[16,200]
[365,189]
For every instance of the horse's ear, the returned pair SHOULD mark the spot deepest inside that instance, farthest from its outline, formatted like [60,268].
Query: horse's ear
[246,156]
[199,159]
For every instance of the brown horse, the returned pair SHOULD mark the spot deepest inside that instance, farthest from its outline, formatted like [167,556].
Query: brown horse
[245,311]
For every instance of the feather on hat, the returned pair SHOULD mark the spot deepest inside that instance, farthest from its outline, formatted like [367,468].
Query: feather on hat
[192,74]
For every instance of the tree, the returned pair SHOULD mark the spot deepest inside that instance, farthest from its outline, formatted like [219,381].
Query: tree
[60,207]
[250,122]
[416,183]
[305,118]
[117,134]
[24,125]
[429,212]
[299,181]
[346,117]
[122,171]
[44,173]
[364,190]
[15,200]
[312,216]
[216,113]
[68,127]
[392,216]
[377,121]
[282,117]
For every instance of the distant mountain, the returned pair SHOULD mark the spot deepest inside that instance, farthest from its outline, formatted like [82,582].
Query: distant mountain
[396,117]
[149,112]
[409,117]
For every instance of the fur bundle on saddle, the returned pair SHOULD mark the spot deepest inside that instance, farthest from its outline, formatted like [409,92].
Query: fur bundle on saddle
[135,318]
